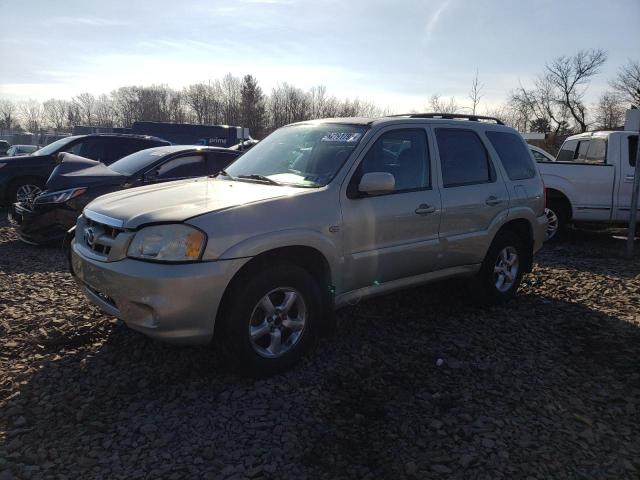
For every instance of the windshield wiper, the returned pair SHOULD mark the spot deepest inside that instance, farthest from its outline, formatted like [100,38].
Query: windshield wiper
[260,178]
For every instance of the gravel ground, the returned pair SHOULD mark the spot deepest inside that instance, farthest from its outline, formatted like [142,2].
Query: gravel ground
[418,384]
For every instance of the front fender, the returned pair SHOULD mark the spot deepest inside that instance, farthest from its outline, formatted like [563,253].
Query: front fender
[259,244]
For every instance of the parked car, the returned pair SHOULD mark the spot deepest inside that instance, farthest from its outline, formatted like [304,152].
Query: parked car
[590,181]
[317,215]
[22,177]
[4,146]
[19,150]
[77,181]
[541,155]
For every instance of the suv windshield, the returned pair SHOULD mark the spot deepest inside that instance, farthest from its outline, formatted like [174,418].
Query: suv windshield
[137,161]
[299,155]
[55,146]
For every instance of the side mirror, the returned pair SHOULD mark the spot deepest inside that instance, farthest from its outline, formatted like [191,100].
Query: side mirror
[376,183]
[59,157]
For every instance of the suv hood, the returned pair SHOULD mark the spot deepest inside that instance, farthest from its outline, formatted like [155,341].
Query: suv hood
[177,201]
[76,171]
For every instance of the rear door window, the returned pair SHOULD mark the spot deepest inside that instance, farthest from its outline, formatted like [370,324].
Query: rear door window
[581,152]
[463,158]
[597,153]
[513,154]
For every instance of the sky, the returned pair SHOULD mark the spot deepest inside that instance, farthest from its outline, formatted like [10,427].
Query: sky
[394,53]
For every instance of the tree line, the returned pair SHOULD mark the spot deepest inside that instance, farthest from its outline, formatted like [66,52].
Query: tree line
[553,102]
[227,101]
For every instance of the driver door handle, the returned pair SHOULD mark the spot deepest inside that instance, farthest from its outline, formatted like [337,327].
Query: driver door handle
[424,209]
[493,201]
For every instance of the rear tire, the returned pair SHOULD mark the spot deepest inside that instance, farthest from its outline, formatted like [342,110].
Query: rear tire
[270,319]
[502,269]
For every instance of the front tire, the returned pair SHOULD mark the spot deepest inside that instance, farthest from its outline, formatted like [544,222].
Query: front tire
[502,269]
[270,319]
[24,189]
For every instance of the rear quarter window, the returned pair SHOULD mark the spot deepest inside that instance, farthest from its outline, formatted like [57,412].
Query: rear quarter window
[513,154]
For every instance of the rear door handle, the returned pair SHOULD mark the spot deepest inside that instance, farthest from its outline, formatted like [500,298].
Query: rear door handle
[424,209]
[493,201]
[628,178]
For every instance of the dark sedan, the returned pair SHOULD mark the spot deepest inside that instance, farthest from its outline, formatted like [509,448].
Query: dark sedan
[23,177]
[77,181]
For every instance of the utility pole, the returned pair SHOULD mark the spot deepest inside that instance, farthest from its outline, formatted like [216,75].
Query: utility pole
[633,212]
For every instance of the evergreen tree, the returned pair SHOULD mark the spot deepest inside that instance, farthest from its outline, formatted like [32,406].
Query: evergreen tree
[253,107]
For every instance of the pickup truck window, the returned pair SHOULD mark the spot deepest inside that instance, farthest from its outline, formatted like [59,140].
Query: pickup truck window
[633,149]
[592,151]
[513,154]
[581,152]
[463,158]
[597,152]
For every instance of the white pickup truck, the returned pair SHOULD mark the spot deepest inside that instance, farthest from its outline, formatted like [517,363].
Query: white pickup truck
[590,181]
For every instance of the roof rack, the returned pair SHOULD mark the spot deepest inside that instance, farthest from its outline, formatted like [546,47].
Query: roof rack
[450,116]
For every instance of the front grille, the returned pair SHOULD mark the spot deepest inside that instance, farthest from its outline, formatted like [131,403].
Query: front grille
[99,237]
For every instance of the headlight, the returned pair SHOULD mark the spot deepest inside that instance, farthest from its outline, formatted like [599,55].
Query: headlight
[168,243]
[61,196]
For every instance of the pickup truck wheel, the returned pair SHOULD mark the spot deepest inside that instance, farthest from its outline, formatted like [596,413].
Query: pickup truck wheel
[502,269]
[24,189]
[271,320]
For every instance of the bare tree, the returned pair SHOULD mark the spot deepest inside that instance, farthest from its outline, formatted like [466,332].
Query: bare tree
[105,114]
[627,83]
[440,106]
[609,112]
[7,114]
[55,113]
[31,115]
[74,116]
[570,76]
[231,99]
[475,94]
[86,105]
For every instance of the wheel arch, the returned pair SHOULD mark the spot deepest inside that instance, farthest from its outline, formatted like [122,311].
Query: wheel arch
[524,229]
[556,195]
[304,256]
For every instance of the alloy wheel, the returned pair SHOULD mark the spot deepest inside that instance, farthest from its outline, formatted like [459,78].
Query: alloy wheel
[277,322]
[506,269]
[27,192]
[552,223]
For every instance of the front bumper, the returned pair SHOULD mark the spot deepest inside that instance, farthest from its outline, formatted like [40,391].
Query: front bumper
[42,224]
[540,235]
[175,303]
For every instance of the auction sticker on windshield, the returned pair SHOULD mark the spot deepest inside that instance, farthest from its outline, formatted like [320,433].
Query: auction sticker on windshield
[341,137]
